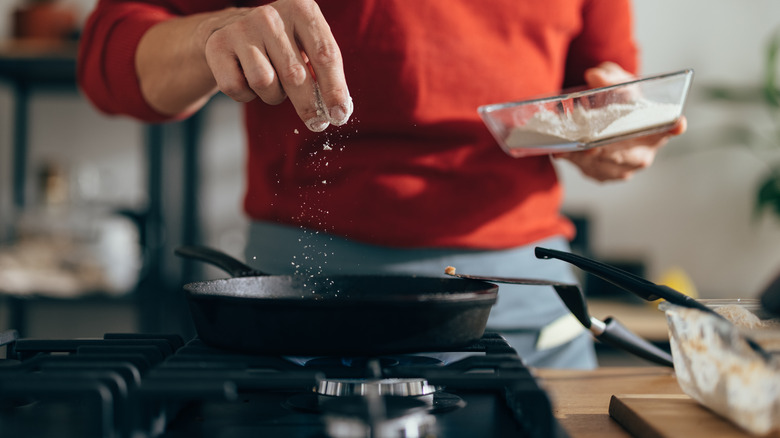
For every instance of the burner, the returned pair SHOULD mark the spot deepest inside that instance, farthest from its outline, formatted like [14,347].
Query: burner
[436,403]
[398,386]
[377,416]
[361,407]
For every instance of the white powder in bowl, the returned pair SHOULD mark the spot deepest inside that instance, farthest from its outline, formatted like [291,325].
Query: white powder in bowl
[587,125]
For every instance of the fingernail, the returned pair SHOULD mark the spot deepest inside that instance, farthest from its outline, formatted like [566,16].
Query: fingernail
[317,124]
[339,114]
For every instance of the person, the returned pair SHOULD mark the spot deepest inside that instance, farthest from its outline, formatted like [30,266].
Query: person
[366,153]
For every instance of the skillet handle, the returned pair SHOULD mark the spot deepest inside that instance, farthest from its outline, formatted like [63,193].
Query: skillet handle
[219,259]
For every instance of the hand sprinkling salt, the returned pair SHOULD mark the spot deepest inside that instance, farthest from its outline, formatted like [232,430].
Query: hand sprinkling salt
[325,117]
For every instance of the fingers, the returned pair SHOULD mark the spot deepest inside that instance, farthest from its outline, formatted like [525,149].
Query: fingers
[621,160]
[261,76]
[226,67]
[605,74]
[283,50]
[289,63]
[325,59]
[604,165]
[680,127]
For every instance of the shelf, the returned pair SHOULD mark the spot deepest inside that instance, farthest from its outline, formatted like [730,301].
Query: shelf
[38,63]
[170,218]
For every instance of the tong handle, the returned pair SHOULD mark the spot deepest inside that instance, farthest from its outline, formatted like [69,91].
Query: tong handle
[618,335]
[625,280]
[637,285]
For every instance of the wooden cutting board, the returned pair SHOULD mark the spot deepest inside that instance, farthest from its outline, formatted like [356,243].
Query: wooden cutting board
[670,416]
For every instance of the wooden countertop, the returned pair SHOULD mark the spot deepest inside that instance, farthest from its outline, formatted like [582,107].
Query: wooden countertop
[581,401]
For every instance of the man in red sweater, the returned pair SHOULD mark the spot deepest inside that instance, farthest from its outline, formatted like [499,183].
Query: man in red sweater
[411,181]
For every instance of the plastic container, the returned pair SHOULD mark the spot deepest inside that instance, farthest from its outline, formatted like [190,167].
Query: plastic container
[582,119]
[716,366]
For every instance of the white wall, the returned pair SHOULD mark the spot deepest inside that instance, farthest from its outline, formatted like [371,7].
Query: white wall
[692,209]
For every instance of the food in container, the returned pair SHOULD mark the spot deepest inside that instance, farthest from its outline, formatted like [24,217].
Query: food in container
[716,365]
[582,119]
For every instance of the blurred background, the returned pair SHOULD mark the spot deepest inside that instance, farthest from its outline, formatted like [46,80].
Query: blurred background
[101,194]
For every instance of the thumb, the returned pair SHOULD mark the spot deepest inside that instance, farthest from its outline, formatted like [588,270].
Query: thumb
[605,74]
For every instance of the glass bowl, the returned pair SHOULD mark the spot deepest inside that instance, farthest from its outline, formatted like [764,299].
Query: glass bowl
[585,118]
[715,364]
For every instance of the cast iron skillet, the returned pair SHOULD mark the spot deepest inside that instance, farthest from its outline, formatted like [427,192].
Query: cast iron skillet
[255,312]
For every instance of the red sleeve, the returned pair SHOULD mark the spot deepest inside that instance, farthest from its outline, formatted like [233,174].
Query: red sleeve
[607,35]
[106,60]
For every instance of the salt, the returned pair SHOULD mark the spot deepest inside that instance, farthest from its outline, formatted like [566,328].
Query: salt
[588,125]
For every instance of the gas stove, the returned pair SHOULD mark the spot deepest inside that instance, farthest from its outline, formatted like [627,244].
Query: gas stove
[144,386]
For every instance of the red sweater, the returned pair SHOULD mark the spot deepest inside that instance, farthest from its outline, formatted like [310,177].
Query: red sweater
[415,166]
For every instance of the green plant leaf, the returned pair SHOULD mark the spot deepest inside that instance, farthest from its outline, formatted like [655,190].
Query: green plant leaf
[768,194]
[731,93]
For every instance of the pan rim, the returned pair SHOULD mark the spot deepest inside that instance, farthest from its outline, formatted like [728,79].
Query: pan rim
[477,291]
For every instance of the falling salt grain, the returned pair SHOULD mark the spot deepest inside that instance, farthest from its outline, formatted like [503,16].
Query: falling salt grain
[295,130]
[325,147]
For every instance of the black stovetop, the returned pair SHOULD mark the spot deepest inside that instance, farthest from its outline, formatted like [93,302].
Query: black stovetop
[135,386]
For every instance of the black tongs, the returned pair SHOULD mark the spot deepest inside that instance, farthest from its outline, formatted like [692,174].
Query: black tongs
[623,279]
[632,283]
